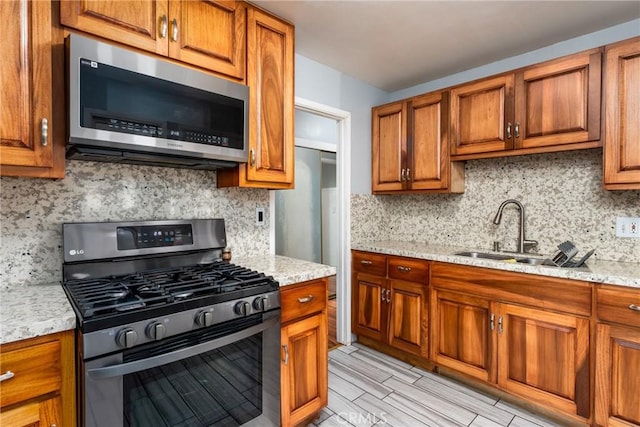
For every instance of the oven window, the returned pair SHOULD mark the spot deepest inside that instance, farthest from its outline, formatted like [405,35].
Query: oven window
[221,387]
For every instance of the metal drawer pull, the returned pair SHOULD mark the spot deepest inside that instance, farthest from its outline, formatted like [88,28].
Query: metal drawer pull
[634,307]
[7,376]
[163,27]
[174,33]
[286,353]
[303,300]
[44,128]
[366,262]
[403,268]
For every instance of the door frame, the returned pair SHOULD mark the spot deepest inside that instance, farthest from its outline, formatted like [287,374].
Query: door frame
[343,193]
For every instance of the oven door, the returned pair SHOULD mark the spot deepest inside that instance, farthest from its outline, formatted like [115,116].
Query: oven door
[227,374]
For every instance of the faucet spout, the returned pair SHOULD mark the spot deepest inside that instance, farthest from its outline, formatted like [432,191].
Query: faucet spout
[522,242]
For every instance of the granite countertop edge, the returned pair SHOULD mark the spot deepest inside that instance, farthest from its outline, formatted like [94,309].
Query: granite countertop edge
[597,271]
[30,311]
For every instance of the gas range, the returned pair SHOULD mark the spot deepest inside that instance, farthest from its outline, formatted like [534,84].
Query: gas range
[133,283]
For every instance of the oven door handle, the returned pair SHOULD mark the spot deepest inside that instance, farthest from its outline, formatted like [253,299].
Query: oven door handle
[174,356]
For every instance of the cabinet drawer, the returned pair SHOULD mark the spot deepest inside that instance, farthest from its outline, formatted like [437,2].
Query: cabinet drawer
[300,301]
[618,305]
[366,262]
[36,371]
[411,270]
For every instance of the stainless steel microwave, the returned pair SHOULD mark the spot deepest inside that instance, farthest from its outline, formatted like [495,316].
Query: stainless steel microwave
[128,107]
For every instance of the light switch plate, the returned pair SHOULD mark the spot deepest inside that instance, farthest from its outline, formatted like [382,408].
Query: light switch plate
[628,227]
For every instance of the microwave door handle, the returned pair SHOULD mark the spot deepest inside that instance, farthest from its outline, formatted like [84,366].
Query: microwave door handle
[174,356]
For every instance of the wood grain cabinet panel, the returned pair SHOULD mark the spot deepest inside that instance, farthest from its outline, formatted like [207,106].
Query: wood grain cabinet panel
[552,106]
[42,389]
[270,78]
[390,306]
[304,351]
[617,382]
[410,146]
[622,127]
[529,335]
[209,34]
[30,138]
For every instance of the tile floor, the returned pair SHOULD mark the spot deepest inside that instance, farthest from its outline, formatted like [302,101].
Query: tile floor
[368,388]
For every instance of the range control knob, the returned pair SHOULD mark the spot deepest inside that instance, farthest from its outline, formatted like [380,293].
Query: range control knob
[204,318]
[261,303]
[127,337]
[243,308]
[156,331]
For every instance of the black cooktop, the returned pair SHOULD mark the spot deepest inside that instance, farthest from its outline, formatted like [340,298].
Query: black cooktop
[115,300]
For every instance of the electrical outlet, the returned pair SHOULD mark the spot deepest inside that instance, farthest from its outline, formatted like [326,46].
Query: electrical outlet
[259,216]
[628,227]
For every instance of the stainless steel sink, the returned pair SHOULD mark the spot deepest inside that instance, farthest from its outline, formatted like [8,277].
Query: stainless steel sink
[533,261]
[485,255]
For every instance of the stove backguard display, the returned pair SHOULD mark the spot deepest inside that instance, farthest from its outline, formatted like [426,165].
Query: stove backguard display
[155,236]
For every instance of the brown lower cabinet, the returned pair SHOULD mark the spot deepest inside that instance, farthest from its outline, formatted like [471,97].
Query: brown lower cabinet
[617,382]
[389,301]
[304,351]
[41,391]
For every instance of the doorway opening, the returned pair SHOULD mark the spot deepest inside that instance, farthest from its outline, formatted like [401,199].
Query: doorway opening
[312,221]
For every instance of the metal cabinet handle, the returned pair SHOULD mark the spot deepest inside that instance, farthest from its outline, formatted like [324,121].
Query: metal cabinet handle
[163,27]
[509,130]
[492,322]
[403,268]
[634,307]
[306,299]
[382,295]
[403,176]
[500,324]
[286,353]
[366,262]
[6,376]
[44,128]
[252,157]
[408,174]
[388,295]
[174,30]
[516,130]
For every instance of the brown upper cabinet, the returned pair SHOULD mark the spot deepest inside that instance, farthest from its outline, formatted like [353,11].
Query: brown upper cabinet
[270,79]
[410,149]
[209,34]
[552,106]
[621,124]
[31,140]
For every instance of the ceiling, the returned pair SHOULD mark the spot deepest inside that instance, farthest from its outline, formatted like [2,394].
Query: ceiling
[397,44]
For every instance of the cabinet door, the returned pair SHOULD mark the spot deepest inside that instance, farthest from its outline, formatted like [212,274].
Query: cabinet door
[478,115]
[460,333]
[270,81]
[142,24]
[544,356]
[369,306]
[34,414]
[617,376]
[210,34]
[389,147]
[304,368]
[428,165]
[622,127]
[26,82]
[408,317]
[558,102]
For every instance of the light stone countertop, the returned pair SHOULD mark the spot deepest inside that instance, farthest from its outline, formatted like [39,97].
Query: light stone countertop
[597,271]
[32,310]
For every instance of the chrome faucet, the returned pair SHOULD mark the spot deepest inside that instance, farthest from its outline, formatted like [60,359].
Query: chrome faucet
[522,242]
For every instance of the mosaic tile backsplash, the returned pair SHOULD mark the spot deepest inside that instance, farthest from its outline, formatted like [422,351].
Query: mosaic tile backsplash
[33,210]
[561,192]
